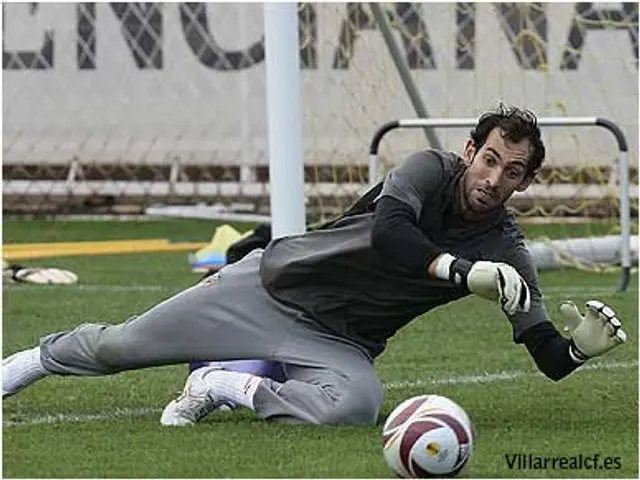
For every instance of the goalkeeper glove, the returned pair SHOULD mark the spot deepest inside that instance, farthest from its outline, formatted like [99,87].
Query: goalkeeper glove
[494,281]
[594,333]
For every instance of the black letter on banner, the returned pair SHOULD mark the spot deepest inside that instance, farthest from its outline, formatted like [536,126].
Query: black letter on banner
[308,35]
[28,60]
[142,30]
[525,25]
[466,36]
[193,17]
[413,33]
[588,18]
[86,41]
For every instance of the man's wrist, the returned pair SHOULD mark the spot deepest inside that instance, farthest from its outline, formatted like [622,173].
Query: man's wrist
[442,266]
[577,355]
[448,267]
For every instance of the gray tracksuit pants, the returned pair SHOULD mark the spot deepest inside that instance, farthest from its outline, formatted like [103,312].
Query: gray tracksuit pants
[226,317]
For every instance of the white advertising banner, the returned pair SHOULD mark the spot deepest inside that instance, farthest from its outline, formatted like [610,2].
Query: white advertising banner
[152,82]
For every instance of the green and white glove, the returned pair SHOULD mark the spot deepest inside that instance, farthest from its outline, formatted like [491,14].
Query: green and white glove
[495,281]
[502,283]
[594,333]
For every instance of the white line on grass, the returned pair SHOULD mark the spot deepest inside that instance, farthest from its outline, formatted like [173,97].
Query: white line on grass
[499,376]
[127,413]
[115,414]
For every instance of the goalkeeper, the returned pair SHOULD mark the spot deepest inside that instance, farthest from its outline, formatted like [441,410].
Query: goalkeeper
[325,303]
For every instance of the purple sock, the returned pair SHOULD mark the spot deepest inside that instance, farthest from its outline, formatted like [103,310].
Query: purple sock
[260,368]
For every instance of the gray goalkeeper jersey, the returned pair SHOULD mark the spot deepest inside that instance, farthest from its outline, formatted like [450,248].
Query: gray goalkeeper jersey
[336,280]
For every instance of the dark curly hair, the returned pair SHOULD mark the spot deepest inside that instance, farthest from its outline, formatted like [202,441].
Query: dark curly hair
[516,124]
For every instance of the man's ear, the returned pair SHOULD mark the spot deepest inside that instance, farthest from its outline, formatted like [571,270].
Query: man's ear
[524,184]
[469,151]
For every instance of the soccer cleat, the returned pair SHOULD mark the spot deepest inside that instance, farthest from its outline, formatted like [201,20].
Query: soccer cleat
[21,370]
[194,403]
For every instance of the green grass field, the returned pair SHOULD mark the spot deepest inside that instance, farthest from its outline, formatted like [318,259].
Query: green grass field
[108,427]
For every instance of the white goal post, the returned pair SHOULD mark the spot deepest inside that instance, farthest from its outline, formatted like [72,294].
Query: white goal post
[622,164]
[284,112]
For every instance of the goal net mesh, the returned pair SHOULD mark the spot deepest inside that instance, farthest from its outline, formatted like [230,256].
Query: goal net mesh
[112,107]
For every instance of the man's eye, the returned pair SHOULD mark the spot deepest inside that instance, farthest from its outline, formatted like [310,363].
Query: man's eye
[490,161]
[513,173]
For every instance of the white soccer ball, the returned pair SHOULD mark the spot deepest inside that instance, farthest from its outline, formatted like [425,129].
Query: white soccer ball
[427,436]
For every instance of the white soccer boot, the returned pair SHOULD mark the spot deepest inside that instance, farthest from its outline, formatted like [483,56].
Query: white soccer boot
[194,403]
[21,370]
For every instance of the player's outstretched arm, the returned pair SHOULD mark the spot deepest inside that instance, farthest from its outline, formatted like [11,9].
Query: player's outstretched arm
[397,238]
[590,335]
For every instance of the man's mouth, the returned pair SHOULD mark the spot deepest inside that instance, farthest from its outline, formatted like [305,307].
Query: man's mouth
[484,197]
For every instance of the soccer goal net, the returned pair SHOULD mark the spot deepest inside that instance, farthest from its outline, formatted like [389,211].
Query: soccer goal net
[113,107]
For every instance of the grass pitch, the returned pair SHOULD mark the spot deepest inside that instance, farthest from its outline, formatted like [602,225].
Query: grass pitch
[108,427]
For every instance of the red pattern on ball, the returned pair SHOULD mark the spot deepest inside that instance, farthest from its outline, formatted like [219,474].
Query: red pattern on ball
[410,436]
[458,429]
[419,472]
[406,413]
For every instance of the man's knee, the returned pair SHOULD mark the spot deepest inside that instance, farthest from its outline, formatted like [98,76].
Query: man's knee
[332,402]
[358,403]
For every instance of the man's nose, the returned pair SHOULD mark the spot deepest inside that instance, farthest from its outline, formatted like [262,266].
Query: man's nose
[493,178]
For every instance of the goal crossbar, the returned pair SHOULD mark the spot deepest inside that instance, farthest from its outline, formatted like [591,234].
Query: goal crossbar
[622,164]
